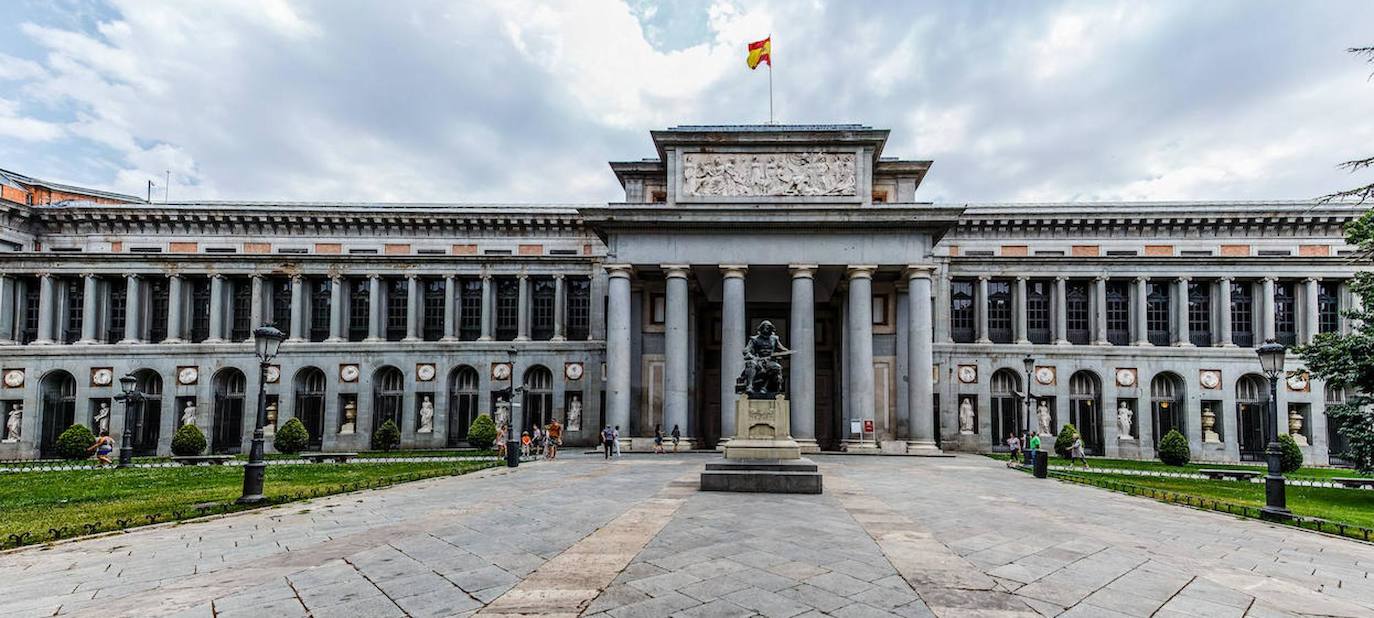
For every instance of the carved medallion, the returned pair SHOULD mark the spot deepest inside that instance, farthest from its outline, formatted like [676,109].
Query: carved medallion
[101,376]
[1210,379]
[1044,375]
[1298,382]
[968,374]
[14,378]
[348,373]
[187,376]
[273,374]
[773,174]
[424,372]
[1125,377]
[500,371]
[572,371]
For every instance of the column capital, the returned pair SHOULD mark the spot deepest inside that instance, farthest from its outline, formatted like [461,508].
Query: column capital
[1269,278]
[1185,278]
[256,277]
[374,276]
[1022,278]
[1312,279]
[556,276]
[485,276]
[1142,279]
[733,271]
[1102,278]
[1061,277]
[335,277]
[412,276]
[219,276]
[676,271]
[621,271]
[1227,278]
[919,271]
[860,271]
[297,277]
[985,277]
[131,275]
[87,275]
[802,271]
[172,276]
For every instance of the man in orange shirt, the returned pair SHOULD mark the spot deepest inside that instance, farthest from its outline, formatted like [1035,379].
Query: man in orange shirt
[555,438]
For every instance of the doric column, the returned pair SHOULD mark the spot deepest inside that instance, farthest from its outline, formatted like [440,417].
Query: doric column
[47,306]
[174,304]
[413,299]
[1224,313]
[981,304]
[560,307]
[802,369]
[732,335]
[487,308]
[255,311]
[942,309]
[297,308]
[1142,324]
[133,310]
[1061,310]
[522,310]
[1267,310]
[676,356]
[920,359]
[1182,338]
[216,309]
[375,319]
[860,336]
[618,346]
[8,302]
[88,308]
[1311,286]
[450,308]
[1100,311]
[1021,299]
[336,308]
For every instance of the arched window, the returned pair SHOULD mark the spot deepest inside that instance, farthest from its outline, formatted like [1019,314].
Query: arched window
[462,403]
[227,431]
[1252,399]
[538,403]
[388,395]
[1166,403]
[58,409]
[1007,413]
[1085,409]
[310,387]
[147,417]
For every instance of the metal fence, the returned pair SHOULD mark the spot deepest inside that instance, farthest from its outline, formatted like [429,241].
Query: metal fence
[62,465]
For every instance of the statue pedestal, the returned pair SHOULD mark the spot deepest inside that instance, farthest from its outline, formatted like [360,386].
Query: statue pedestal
[1211,437]
[762,430]
[762,456]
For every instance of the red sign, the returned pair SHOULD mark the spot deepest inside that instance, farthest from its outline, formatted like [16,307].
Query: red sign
[868,425]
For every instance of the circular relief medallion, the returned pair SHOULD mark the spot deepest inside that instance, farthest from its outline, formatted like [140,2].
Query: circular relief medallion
[1210,379]
[968,374]
[273,374]
[1297,382]
[14,378]
[424,372]
[573,371]
[348,373]
[1125,377]
[188,375]
[102,376]
[500,371]
[1044,375]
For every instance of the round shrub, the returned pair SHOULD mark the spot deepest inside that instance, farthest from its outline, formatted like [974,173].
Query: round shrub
[1064,441]
[292,438]
[387,437]
[482,433]
[1291,458]
[73,442]
[188,441]
[1173,448]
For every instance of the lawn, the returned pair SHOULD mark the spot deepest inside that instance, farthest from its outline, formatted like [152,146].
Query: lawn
[35,502]
[1157,466]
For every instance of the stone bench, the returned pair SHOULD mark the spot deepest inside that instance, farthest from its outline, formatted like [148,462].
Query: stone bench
[323,457]
[1233,475]
[1355,483]
[195,460]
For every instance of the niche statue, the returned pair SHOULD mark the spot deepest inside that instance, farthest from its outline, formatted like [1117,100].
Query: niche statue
[762,375]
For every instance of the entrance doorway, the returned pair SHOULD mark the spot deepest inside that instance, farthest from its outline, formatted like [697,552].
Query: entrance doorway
[1251,408]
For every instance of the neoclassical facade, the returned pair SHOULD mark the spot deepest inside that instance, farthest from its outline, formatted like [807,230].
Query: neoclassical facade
[911,324]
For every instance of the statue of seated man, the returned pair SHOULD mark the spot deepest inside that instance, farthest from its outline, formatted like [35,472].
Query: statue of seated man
[762,376]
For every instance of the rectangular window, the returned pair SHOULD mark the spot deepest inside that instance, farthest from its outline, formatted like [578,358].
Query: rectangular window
[28,329]
[242,305]
[1242,315]
[359,309]
[507,307]
[1038,311]
[999,311]
[397,296]
[281,304]
[658,309]
[1077,315]
[542,292]
[157,309]
[119,304]
[879,310]
[1328,307]
[1157,312]
[76,295]
[320,308]
[962,314]
[579,308]
[200,310]
[1285,317]
[1200,313]
[1118,313]
[470,309]
[433,319]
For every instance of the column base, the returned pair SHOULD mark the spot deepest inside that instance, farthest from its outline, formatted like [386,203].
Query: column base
[41,342]
[448,338]
[1143,344]
[85,341]
[926,448]
[410,339]
[1228,344]
[1062,342]
[720,444]
[983,340]
[484,338]
[522,338]
[1023,342]
[558,338]
[373,339]
[808,445]
[335,340]
[1184,344]
[1102,342]
[214,340]
[295,340]
[173,340]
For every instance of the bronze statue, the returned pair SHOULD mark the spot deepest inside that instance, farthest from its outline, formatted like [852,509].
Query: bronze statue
[762,375]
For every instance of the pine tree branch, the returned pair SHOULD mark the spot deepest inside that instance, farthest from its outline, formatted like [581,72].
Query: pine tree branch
[1356,164]
[1359,194]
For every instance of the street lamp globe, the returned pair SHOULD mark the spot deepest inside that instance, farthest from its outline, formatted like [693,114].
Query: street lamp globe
[267,339]
[128,383]
[1271,358]
[1030,364]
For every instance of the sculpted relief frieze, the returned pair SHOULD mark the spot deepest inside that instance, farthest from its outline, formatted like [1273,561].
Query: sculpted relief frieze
[780,174]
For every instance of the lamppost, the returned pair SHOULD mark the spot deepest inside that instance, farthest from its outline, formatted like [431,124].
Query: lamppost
[129,385]
[1275,502]
[517,421]
[267,340]
[1029,362]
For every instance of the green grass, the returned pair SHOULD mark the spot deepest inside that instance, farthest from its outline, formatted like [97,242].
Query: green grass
[1156,466]
[35,502]
[1347,506]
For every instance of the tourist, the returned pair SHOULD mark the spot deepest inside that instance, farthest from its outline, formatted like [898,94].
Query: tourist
[677,437]
[538,437]
[103,446]
[1076,451]
[501,441]
[607,439]
[524,444]
[658,439]
[1013,443]
[555,434]
[616,443]
[1034,447]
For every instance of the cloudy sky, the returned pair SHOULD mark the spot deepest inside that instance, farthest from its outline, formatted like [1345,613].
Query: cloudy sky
[518,101]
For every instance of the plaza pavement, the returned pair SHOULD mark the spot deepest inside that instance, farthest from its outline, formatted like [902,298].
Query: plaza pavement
[891,536]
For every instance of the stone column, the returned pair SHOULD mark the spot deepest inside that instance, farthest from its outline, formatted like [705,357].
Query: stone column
[174,303]
[1347,302]
[522,310]
[47,306]
[413,297]
[560,307]
[920,360]
[336,308]
[1311,286]
[216,309]
[88,308]
[8,302]
[732,335]
[942,308]
[1224,313]
[1182,338]
[802,369]
[255,311]
[1267,310]
[860,338]
[1100,311]
[676,356]
[297,308]
[487,309]
[1021,299]
[618,346]
[133,310]
[981,304]
[374,308]
[1142,325]
[450,308]
[1061,310]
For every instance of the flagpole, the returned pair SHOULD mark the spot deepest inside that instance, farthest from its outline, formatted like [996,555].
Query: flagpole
[770,91]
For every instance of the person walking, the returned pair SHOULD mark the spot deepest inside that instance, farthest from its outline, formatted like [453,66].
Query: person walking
[1033,449]
[616,444]
[1076,451]
[538,439]
[1013,443]
[555,436]
[501,441]
[104,445]
[607,440]
[658,439]
[677,437]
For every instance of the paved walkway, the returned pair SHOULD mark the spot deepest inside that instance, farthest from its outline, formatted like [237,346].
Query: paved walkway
[891,536]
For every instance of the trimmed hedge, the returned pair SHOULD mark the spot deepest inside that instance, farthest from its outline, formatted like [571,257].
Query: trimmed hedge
[482,433]
[1064,441]
[387,437]
[1291,458]
[73,442]
[1173,449]
[292,438]
[188,441]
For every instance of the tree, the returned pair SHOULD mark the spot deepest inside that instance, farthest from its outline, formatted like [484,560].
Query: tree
[1173,448]
[482,433]
[292,438]
[1347,361]
[1290,459]
[1064,442]
[387,437]
[74,442]
[188,441]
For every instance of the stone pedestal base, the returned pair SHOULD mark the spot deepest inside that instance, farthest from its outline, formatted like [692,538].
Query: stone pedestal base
[808,445]
[924,448]
[777,476]
[1211,437]
[761,430]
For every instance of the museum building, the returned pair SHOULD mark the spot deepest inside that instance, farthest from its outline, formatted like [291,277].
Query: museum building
[914,327]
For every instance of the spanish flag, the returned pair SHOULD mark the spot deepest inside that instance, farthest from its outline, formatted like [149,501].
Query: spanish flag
[758,53]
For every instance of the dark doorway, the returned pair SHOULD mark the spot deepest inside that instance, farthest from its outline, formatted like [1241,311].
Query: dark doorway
[59,409]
